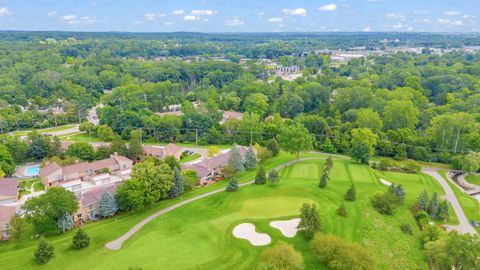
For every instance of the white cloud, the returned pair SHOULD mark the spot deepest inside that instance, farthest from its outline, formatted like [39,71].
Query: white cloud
[162,14]
[168,23]
[295,12]
[367,29]
[450,22]
[178,12]
[457,23]
[74,19]
[234,22]
[261,13]
[69,17]
[52,13]
[398,26]
[396,16]
[205,12]
[275,20]
[190,18]
[328,7]
[421,12]
[452,13]
[150,16]
[5,12]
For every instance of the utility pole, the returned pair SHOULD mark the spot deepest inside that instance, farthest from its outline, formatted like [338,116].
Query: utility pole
[251,137]
[196,137]
[140,135]
[456,141]
[89,134]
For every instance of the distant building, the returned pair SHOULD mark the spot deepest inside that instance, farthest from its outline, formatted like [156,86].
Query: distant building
[281,70]
[161,152]
[8,190]
[229,115]
[86,175]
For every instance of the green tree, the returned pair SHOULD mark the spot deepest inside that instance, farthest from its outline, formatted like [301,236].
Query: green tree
[135,148]
[173,162]
[423,201]
[295,139]
[273,147]
[282,256]
[250,158]
[341,210]
[273,176]
[212,151]
[107,206]
[7,163]
[256,103]
[351,193]
[178,187]
[363,142]
[328,146]
[433,206]
[232,185]
[65,223]
[118,146]
[443,213]
[235,160]
[367,118]
[45,211]
[80,240]
[17,227]
[309,220]
[261,177]
[81,150]
[44,252]
[39,145]
[400,114]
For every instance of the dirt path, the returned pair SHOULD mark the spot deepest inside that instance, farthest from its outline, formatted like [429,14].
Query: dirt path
[117,243]
[464,226]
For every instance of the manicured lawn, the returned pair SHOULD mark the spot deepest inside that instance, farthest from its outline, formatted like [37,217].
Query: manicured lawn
[199,235]
[79,137]
[46,130]
[192,157]
[473,179]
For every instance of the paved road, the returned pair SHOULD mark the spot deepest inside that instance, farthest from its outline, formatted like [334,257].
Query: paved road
[464,226]
[73,129]
[117,243]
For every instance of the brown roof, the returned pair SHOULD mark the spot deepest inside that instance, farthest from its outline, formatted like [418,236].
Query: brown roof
[8,187]
[94,195]
[6,213]
[153,150]
[176,113]
[49,169]
[227,115]
[172,149]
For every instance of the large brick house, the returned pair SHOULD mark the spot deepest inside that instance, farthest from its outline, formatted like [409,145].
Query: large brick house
[8,190]
[88,201]
[84,175]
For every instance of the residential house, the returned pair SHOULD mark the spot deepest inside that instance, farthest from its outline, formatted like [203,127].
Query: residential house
[229,115]
[8,190]
[86,175]
[6,214]
[207,168]
[88,202]
[160,152]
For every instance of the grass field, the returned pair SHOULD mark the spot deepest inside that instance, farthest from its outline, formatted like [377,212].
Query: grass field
[199,235]
[473,179]
[192,157]
[46,130]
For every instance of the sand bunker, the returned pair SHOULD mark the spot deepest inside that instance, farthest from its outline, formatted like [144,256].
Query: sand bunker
[385,182]
[247,231]
[287,227]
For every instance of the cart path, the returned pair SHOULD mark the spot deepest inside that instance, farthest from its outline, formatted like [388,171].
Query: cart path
[464,226]
[117,243]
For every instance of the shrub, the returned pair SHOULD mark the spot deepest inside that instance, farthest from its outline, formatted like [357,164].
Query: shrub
[406,228]
[351,194]
[384,202]
[261,177]
[232,185]
[80,240]
[342,211]
[282,256]
[273,176]
[411,167]
[44,252]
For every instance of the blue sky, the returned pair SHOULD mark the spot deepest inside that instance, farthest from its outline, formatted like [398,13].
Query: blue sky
[241,15]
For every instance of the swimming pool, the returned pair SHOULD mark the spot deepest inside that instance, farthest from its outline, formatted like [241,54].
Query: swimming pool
[32,170]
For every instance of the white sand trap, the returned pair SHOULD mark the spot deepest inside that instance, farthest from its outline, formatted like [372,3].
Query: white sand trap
[247,231]
[287,227]
[385,182]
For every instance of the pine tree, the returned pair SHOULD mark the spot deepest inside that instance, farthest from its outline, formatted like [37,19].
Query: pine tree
[398,191]
[273,176]
[351,194]
[250,158]
[178,188]
[261,177]
[309,219]
[65,223]
[325,177]
[323,181]
[443,212]
[433,206]
[107,206]
[329,164]
[342,211]
[232,185]
[235,161]
[422,201]
[273,147]
[44,252]
[80,240]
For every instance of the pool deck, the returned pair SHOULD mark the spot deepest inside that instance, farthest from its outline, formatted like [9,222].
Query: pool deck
[21,171]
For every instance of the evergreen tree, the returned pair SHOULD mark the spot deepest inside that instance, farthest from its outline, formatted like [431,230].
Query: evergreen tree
[107,206]
[323,180]
[342,211]
[80,240]
[398,191]
[178,188]
[232,185]
[325,177]
[235,161]
[422,201]
[65,223]
[329,164]
[443,212]
[44,252]
[250,158]
[273,147]
[351,194]
[273,176]
[433,206]
[309,219]
[261,177]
